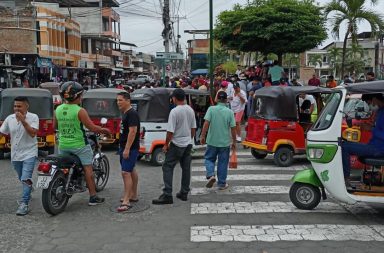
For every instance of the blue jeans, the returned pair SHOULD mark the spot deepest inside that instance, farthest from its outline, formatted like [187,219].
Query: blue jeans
[354,148]
[24,170]
[222,154]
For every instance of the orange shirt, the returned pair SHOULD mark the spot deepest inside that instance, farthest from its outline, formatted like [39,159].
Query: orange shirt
[331,84]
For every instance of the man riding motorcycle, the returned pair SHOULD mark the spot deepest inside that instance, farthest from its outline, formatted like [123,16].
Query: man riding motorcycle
[70,119]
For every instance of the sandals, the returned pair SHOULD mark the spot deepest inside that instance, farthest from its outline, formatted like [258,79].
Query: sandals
[130,200]
[123,208]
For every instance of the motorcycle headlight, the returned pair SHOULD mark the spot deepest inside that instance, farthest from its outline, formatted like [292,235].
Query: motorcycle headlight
[315,153]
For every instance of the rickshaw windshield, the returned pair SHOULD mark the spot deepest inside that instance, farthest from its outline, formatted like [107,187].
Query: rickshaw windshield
[327,115]
[44,112]
[101,107]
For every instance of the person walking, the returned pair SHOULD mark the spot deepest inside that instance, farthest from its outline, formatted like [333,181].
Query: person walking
[314,81]
[221,126]
[22,126]
[129,150]
[238,106]
[178,145]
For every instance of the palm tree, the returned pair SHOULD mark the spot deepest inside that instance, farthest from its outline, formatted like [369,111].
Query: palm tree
[334,56]
[357,58]
[352,12]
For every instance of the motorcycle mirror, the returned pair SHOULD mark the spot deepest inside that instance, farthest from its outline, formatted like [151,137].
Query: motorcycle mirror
[103,121]
[349,121]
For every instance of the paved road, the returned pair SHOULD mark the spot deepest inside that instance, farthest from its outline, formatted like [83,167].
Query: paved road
[253,215]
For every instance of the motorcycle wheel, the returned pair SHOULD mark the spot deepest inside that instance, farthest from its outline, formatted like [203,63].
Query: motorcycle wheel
[304,196]
[101,173]
[54,198]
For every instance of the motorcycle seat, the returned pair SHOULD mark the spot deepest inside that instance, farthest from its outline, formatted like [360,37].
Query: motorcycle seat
[65,160]
[374,161]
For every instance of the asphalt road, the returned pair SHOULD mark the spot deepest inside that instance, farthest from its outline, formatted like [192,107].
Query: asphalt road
[253,215]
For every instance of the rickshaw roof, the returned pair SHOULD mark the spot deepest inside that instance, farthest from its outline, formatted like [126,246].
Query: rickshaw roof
[109,93]
[146,94]
[366,87]
[27,92]
[49,85]
[290,92]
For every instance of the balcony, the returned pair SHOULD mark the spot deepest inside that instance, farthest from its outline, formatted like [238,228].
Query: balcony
[110,13]
[111,52]
[111,34]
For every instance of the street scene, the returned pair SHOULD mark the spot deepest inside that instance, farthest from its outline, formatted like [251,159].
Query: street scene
[191,126]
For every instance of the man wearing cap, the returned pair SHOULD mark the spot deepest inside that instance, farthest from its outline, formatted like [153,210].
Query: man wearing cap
[238,106]
[178,145]
[221,126]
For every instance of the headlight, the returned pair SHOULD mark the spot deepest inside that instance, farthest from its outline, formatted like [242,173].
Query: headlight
[315,153]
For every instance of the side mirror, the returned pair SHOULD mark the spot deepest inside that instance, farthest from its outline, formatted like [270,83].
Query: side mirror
[349,121]
[103,121]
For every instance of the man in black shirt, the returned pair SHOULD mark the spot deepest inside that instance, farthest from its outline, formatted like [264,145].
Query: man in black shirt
[129,149]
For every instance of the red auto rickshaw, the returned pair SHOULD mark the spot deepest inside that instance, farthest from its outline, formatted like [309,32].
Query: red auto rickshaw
[101,103]
[278,124]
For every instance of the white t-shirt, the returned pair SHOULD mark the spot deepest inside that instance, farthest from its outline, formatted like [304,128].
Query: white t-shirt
[180,122]
[236,104]
[310,98]
[23,146]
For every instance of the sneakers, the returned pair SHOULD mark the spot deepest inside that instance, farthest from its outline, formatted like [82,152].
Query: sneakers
[22,210]
[211,182]
[163,200]
[182,196]
[95,200]
[223,187]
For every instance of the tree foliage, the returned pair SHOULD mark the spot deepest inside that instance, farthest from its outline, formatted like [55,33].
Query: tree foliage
[272,26]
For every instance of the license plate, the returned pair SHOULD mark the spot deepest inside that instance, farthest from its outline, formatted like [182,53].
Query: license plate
[43,182]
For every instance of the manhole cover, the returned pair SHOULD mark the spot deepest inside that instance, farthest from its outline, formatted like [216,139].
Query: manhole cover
[136,207]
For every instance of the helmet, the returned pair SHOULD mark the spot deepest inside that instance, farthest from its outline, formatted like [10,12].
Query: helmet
[70,91]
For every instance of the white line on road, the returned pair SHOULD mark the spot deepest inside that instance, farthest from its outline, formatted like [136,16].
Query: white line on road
[272,233]
[279,189]
[275,207]
[255,168]
[247,177]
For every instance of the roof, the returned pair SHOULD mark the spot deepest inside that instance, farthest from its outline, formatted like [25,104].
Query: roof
[293,91]
[366,87]
[109,93]
[27,92]
[144,94]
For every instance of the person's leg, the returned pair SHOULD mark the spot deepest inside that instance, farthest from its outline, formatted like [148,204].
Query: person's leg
[26,178]
[222,166]
[185,164]
[18,166]
[88,170]
[133,154]
[127,179]
[171,159]
[210,160]
[135,182]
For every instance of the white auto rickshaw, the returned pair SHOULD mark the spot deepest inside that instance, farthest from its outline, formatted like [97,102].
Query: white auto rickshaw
[324,152]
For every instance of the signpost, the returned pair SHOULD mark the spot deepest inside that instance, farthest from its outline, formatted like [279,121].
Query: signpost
[166,57]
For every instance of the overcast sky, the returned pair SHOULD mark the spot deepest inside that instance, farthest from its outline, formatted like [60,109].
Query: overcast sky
[141,21]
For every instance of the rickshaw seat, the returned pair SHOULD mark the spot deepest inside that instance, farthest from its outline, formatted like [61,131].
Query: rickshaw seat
[65,160]
[374,161]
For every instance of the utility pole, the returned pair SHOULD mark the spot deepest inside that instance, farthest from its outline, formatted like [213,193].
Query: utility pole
[211,46]
[167,25]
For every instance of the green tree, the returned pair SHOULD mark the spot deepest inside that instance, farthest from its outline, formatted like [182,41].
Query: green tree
[352,12]
[356,58]
[334,58]
[272,26]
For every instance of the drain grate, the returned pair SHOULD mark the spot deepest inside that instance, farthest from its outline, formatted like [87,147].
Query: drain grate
[136,207]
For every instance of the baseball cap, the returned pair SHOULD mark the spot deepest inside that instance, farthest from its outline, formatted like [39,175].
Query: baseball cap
[224,84]
[179,94]
[221,95]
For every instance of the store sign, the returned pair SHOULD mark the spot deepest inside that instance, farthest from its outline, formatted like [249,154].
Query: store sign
[44,63]
[82,64]
[119,64]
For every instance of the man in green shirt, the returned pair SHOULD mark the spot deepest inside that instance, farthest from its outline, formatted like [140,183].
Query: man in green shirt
[221,126]
[276,72]
[70,120]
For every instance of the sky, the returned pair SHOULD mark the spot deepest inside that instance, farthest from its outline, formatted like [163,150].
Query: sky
[141,21]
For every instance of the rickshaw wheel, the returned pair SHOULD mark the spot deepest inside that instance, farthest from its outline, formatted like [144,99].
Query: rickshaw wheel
[304,196]
[158,157]
[2,155]
[283,157]
[257,154]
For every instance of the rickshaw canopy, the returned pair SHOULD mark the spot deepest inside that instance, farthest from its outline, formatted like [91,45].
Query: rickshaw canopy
[366,87]
[37,97]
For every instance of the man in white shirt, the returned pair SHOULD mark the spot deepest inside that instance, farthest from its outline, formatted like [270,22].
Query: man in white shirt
[238,106]
[313,108]
[22,126]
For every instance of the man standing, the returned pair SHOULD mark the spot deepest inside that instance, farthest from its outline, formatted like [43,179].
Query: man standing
[238,106]
[22,126]
[276,72]
[178,145]
[331,83]
[370,76]
[314,81]
[129,149]
[220,125]
[256,84]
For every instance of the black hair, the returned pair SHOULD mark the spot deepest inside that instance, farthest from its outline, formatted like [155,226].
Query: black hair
[370,73]
[125,95]
[22,99]
[369,97]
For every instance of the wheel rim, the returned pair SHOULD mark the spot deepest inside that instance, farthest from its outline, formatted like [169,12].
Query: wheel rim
[284,157]
[58,194]
[160,158]
[305,195]
[101,173]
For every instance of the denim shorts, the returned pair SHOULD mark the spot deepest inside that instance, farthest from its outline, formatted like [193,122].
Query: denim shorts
[85,154]
[127,165]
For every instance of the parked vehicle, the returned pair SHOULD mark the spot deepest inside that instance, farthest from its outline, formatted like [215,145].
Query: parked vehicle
[37,98]
[62,176]
[54,88]
[101,103]
[154,106]
[277,125]
[324,152]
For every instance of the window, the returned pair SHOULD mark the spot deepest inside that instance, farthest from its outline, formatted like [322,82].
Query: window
[327,115]
[325,59]
[84,46]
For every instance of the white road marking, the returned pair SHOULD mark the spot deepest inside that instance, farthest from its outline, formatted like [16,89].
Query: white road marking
[279,189]
[272,233]
[275,207]
[247,177]
[255,168]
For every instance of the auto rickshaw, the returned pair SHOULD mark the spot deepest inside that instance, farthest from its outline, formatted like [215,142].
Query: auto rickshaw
[54,88]
[40,103]
[101,103]
[278,124]
[154,106]
[324,151]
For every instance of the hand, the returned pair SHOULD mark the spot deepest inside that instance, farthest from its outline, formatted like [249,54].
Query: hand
[165,148]
[20,117]
[126,153]
[105,131]
[233,146]
[202,140]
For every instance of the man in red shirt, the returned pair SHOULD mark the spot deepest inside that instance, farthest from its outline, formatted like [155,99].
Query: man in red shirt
[314,81]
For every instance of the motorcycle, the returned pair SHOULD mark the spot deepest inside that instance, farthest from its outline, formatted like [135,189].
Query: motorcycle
[62,176]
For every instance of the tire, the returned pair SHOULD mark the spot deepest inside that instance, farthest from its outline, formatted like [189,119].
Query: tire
[304,196]
[257,154]
[54,198]
[283,157]
[101,173]
[158,157]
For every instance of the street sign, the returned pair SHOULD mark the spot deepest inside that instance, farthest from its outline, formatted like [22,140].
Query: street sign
[168,67]
[169,55]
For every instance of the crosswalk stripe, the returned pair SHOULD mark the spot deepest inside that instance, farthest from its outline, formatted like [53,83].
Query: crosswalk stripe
[272,233]
[254,168]
[247,177]
[275,207]
[277,189]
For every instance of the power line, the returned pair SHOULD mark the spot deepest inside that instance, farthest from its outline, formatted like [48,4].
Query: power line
[150,43]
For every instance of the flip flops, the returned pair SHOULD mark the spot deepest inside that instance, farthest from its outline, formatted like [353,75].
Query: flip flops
[131,200]
[123,208]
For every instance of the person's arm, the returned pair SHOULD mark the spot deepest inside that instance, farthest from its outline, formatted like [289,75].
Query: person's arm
[32,128]
[233,133]
[204,132]
[170,130]
[130,140]
[167,141]
[87,122]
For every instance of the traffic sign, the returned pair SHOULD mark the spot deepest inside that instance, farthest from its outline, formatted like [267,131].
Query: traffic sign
[168,67]
[169,55]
